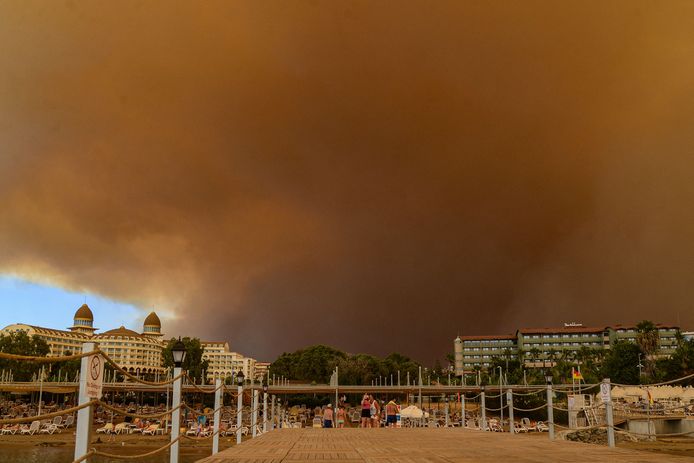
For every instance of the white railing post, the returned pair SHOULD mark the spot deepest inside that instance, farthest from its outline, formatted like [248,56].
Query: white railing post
[264,411]
[446,410]
[550,411]
[483,406]
[420,388]
[607,394]
[509,401]
[239,413]
[84,416]
[462,410]
[272,412]
[254,415]
[217,415]
[176,415]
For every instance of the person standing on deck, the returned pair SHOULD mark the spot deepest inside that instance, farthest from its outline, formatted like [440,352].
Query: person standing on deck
[391,414]
[328,416]
[365,411]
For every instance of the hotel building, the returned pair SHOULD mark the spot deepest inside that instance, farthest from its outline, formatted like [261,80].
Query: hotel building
[540,347]
[139,353]
[222,362]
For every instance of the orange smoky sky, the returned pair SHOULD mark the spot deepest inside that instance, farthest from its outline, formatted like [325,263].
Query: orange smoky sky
[379,176]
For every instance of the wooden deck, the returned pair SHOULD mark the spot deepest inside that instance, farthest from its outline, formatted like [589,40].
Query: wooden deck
[450,445]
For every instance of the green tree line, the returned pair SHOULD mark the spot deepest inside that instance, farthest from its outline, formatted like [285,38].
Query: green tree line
[317,363]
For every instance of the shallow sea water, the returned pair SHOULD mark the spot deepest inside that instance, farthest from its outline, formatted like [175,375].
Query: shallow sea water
[37,454]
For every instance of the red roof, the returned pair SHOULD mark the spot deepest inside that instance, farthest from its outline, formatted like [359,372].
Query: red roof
[488,337]
[559,330]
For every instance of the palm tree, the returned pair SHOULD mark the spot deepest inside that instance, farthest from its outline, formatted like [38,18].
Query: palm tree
[552,355]
[648,340]
[534,354]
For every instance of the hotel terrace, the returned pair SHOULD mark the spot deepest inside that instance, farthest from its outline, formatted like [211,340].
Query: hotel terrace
[537,346]
[139,353]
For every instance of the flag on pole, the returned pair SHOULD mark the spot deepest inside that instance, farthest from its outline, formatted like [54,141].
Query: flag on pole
[576,374]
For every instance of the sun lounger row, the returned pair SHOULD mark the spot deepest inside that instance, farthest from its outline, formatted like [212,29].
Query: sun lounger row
[39,426]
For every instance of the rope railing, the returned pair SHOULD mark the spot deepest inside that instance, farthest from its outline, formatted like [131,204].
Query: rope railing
[199,389]
[85,456]
[525,394]
[491,409]
[585,428]
[584,388]
[663,383]
[529,409]
[208,414]
[44,359]
[129,375]
[578,409]
[114,456]
[29,419]
[138,415]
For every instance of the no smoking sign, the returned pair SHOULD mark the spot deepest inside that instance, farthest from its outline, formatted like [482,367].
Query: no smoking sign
[95,377]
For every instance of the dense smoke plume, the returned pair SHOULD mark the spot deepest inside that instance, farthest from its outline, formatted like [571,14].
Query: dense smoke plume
[378,176]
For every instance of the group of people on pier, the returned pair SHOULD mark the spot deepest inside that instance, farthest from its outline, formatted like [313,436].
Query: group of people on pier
[373,412]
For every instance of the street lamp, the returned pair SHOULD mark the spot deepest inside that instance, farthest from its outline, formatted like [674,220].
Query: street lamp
[240,377]
[639,366]
[178,351]
[550,406]
[265,388]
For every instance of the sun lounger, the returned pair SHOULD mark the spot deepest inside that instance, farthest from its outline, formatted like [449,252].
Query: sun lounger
[151,430]
[518,428]
[50,428]
[32,429]
[106,429]
[10,429]
[541,427]
[69,421]
[525,422]
[122,428]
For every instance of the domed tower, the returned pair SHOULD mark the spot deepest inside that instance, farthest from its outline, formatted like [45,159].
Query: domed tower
[83,321]
[458,355]
[152,326]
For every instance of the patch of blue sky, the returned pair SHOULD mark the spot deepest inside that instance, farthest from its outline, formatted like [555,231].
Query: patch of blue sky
[22,301]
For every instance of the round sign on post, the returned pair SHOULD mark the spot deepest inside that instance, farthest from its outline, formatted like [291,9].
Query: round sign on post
[95,377]
[605,392]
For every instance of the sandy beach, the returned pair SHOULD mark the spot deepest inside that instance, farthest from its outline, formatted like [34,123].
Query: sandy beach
[58,448]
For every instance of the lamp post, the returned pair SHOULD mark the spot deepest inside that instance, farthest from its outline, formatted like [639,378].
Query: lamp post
[178,352]
[239,406]
[550,406]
